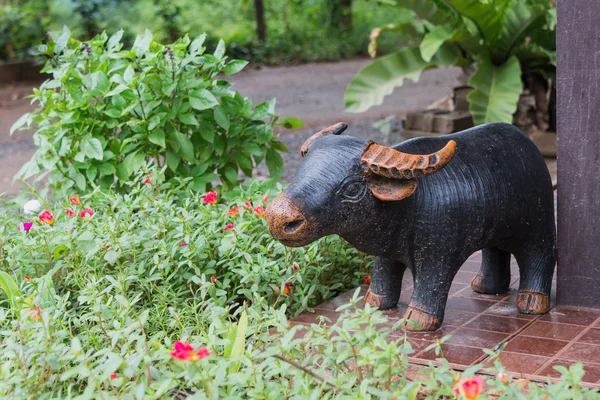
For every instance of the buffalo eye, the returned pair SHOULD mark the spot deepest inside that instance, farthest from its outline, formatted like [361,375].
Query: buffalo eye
[352,190]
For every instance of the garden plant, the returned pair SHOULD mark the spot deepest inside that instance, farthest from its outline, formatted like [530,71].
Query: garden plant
[508,42]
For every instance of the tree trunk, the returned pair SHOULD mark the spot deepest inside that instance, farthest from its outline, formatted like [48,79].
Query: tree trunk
[261,27]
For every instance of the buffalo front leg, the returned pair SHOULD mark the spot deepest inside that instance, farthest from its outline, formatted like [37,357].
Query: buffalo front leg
[386,283]
[428,302]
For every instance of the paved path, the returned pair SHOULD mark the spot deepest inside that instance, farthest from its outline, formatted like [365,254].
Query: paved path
[311,92]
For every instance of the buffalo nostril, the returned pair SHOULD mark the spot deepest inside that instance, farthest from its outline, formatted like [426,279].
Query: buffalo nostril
[291,227]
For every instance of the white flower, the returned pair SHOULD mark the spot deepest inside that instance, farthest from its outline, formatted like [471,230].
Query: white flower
[32,207]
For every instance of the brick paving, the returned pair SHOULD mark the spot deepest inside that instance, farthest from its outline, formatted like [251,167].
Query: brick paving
[535,343]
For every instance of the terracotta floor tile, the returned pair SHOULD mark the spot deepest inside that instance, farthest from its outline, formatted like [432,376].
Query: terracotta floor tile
[312,318]
[592,372]
[591,337]
[455,354]
[508,309]
[497,324]
[464,277]
[405,295]
[342,299]
[471,266]
[475,257]
[417,345]
[571,316]
[551,330]
[431,336]
[457,317]
[469,293]
[476,338]
[535,346]
[583,352]
[520,363]
[468,304]
[457,287]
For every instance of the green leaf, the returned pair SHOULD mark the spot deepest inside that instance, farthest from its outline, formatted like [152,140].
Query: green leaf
[207,131]
[172,160]
[430,10]
[10,288]
[488,16]
[117,90]
[92,148]
[202,99]
[433,40]
[221,117]
[114,40]
[62,41]
[24,119]
[112,256]
[220,50]
[157,136]
[59,251]
[183,144]
[496,91]
[381,77]
[142,43]
[234,66]
[129,74]
[274,164]
[292,123]
[239,344]
[197,43]
[188,119]
[106,168]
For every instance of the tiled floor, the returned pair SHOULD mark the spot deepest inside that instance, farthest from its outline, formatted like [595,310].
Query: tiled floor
[475,321]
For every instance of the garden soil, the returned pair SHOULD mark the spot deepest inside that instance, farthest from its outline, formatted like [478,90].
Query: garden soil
[311,92]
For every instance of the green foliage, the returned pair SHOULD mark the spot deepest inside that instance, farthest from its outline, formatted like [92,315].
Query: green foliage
[505,39]
[106,110]
[22,24]
[116,290]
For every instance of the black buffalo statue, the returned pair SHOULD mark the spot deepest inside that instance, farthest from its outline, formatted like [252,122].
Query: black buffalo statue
[427,204]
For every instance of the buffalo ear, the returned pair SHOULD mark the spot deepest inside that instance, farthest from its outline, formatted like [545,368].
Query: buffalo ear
[391,189]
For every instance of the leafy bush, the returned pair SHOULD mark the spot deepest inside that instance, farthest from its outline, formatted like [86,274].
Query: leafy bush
[505,39]
[93,300]
[107,110]
[22,24]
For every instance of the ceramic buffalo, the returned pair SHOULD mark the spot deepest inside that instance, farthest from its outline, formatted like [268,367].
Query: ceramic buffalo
[427,204]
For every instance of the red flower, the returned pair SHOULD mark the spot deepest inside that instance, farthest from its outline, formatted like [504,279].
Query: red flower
[106,246]
[295,267]
[70,212]
[75,200]
[287,289]
[114,375]
[228,227]
[503,377]
[88,212]
[233,212]
[367,280]
[469,388]
[148,180]
[35,312]
[213,279]
[27,278]
[265,198]
[185,351]
[210,198]
[259,211]
[248,205]
[47,217]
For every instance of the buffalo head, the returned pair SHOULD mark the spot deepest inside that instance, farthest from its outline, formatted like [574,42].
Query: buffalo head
[340,178]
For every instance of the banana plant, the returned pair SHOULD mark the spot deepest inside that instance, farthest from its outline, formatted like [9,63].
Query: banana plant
[509,42]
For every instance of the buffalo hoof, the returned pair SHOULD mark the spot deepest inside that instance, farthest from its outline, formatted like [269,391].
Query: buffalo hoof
[379,301]
[424,321]
[485,286]
[533,302]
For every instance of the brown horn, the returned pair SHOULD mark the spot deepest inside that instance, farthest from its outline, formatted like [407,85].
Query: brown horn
[390,163]
[332,130]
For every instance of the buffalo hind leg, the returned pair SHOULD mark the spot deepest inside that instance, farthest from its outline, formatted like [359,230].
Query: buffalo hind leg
[494,275]
[428,301]
[536,266]
[386,283]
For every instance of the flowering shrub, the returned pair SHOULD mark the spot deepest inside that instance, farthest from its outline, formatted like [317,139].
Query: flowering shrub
[107,110]
[151,297]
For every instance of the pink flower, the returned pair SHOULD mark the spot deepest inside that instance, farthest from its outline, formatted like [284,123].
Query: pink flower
[210,198]
[106,246]
[70,212]
[233,212]
[114,375]
[47,217]
[25,226]
[248,205]
[87,213]
[470,388]
[185,351]
[367,279]
[295,267]
[213,279]
[228,227]
[35,313]
[259,211]
[184,244]
[265,198]
[27,278]
[502,377]
[75,200]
